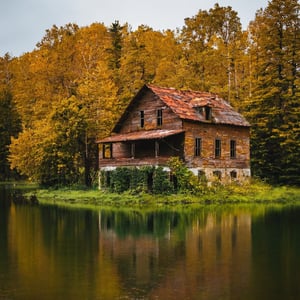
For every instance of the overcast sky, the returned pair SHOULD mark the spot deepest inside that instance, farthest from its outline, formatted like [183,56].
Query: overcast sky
[23,22]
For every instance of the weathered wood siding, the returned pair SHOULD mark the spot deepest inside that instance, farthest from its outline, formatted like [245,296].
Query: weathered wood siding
[208,134]
[150,104]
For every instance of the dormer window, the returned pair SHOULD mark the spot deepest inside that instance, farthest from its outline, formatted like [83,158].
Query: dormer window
[207,111]
[159,117]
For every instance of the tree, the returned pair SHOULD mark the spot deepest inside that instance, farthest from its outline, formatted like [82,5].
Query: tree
[52,152]
[274,108]
[10,126]
[212,49]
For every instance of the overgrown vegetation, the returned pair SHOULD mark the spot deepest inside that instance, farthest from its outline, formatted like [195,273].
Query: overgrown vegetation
[254,192]
[72,88]
[178,185]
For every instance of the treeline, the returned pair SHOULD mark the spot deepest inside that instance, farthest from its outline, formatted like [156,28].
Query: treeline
[58,99]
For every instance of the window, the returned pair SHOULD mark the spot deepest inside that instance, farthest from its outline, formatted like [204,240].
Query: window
[201,176]
[159,117]
[217,175]
[197,146]
[233,175]
[217,148]
[207,113]
[107,150]
[232,149]
[142,119]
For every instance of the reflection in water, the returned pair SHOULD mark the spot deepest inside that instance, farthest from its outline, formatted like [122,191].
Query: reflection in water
[205,253]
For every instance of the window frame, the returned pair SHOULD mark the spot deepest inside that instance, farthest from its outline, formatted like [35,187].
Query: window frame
[142,119]
[159,117]
[107,151]
[232,149]
[208,113]
[198,147]
[218,148]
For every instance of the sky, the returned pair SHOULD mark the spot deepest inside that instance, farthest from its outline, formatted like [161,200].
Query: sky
[23,23]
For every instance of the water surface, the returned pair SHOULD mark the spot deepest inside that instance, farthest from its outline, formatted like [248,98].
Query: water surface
[237,252]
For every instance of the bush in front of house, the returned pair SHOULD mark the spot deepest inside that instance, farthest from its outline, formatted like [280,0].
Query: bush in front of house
[136,180]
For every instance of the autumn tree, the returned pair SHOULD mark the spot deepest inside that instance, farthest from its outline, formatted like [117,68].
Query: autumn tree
[211,41]
[72,88]
[52,153]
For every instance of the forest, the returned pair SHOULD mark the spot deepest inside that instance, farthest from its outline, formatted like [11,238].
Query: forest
[58,99]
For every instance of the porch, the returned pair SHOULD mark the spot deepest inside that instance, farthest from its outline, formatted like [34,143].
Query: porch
[142,148]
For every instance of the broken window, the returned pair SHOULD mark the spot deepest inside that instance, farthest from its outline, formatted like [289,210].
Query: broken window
[201,176]
[233,174]
[217,174]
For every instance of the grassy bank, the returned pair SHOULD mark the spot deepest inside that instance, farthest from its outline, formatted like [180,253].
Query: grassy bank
[251,193]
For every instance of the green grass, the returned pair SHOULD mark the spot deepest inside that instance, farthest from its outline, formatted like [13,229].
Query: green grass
[256,192]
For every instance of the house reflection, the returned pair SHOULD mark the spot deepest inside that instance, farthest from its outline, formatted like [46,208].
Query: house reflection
[208,258]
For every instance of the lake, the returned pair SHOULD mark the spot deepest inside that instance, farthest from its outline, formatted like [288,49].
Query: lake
[211,252]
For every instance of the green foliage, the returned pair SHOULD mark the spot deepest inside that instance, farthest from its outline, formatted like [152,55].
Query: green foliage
[120,180]
[248,193]
[10,126]
[274,109]
[161,182]
[136,180]
[187,181]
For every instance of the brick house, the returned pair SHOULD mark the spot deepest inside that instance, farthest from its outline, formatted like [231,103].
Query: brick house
[199,127]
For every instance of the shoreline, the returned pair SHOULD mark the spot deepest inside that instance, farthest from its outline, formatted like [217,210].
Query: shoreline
[254,193]
[96,198]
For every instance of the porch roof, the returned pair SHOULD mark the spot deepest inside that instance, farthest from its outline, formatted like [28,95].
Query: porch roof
[140,135]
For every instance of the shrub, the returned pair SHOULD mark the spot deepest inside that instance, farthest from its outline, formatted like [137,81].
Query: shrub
[187,181]
[161,182]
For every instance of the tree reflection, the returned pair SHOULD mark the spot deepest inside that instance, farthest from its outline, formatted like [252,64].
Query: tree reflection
[50,252]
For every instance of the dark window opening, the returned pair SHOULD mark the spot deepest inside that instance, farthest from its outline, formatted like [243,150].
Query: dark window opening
[142,119]
[217,174]
[233,174]
[107,150]
[201,176]
[217,148]
[159,117]
[207,113]
[197,146]
[232,149]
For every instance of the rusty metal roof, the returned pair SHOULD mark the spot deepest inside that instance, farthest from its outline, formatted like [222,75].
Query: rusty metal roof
[140,135]
[186,104]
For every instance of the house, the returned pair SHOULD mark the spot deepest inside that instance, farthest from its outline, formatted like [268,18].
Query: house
[199,127]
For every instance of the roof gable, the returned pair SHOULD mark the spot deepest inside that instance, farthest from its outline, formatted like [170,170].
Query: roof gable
[187,105]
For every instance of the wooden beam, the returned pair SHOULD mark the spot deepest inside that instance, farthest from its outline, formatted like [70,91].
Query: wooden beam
[156,148]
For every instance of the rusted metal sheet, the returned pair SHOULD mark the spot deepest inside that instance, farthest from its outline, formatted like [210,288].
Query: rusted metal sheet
[140,135]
